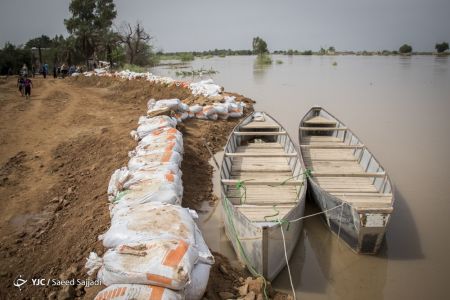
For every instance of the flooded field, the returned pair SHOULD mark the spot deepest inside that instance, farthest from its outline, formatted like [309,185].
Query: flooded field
[399,107]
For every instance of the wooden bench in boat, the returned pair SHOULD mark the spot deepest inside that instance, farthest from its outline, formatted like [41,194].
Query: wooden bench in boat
[336,170]
[267,178]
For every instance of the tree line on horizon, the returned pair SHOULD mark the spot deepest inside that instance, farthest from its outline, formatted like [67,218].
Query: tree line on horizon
[93,38]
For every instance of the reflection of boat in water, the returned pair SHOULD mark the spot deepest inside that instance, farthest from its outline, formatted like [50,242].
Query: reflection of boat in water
[343,275]
[346,174]
[262,183]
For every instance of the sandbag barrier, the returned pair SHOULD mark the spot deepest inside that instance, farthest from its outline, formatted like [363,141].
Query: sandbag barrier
[155,249]
[206,87]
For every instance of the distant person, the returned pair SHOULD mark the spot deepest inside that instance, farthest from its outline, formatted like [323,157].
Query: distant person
[54,71]
[45,70]
[58,71]
[27,84]
[21,85]
[24,71]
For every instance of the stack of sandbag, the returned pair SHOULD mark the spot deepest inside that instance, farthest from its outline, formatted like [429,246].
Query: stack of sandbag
[206,88]
[155,249]
[229,108]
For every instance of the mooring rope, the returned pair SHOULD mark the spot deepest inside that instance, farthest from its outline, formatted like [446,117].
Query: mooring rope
[282,221]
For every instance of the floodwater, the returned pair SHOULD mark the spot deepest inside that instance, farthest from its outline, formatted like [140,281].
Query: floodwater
[400,108]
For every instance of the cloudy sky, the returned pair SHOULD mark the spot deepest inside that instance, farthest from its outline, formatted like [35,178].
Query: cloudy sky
[180,25]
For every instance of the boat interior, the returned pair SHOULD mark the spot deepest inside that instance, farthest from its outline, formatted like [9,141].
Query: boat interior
[261,173]
[342,165]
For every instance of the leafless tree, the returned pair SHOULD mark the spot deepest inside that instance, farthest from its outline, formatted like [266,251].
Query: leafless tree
[135,39]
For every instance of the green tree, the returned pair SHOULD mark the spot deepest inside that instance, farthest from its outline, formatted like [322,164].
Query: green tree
[442,47]
[405,48]
[90,20]
[259,46]
[39,42]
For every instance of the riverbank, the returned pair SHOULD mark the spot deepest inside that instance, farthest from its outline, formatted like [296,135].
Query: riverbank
[58,152]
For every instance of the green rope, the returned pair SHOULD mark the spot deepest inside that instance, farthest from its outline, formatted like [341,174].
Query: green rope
[241,185]
[306,174]
[241,247]
[277,212]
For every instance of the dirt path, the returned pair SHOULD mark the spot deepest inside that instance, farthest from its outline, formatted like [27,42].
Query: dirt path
[57,153]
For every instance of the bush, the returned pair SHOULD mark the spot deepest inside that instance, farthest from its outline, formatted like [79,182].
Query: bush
[186,56]
[263,59]
[442,47]
[405,48]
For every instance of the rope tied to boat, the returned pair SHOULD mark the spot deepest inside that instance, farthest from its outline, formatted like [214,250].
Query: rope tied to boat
[277,212]
[306,174]
[241,247]
[240,185]
[281,222]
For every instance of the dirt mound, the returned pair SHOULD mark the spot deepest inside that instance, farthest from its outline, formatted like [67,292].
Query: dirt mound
[57,153]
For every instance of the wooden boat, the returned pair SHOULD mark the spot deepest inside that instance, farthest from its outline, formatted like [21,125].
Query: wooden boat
[346,174]
[262,179]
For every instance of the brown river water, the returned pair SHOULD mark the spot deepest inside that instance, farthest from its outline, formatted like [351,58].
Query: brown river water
[400,108]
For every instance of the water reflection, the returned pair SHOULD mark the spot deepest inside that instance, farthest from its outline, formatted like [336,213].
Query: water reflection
[403,118]
[260,67]
[402,240]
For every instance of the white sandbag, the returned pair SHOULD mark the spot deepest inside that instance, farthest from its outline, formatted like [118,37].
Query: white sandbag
[166,263]
[124,179]
[209,110]
[213,117]
[221,108]
[117,179]
[236,110]
[142,176]
[199,281]
[154,159]
[184,115]
[229,99]
[146,128]
[162,135]
[205,255]
[150,221]
[206,88]
[175,168]
[157,120]
[223,116]
[143,190]
[183,107]
[151,104]
[173,104]
[201,116]
[196,108]
[138,292]
[134,198]
[149,148]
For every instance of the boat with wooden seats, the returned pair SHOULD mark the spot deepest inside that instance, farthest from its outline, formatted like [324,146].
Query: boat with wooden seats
[263,193]
[346,176]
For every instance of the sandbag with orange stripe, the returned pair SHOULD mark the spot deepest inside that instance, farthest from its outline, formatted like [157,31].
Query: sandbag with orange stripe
[163,135]
[154,159]
[143,149]
[137,292]
[166,263]
[150,221]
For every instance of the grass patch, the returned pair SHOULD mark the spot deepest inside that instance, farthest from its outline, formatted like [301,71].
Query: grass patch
[263,59]
[199,72]
[279,61]
[134,68]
